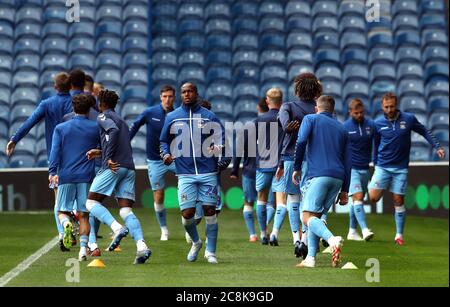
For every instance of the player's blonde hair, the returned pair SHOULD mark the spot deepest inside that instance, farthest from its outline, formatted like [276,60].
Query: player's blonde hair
[275,95]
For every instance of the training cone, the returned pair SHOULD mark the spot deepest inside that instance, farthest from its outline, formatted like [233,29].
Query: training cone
[97,263]
[327,250]
[349,266]
[118,249]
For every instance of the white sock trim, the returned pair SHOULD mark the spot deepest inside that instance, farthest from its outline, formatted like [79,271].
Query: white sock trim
[158,207]
[115,226]
[210,220]
[400,209]
[293,198]
[187,222]
[248,209]
[90,203]
[311,218]
[358,203]
[261,203]
[124,212]
[282,205]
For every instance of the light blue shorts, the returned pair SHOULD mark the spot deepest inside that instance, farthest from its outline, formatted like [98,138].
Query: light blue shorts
[359,181]
[320,194]
[395,178]
[249,187]
[156,173]
[266,180]
[72,196]
[122,183]
[290,187]
[197,188]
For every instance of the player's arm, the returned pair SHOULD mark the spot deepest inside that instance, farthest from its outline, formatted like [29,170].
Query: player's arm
[112,136]
[35,118]
[55,155]
[423,131]
[347,165]
[221,142]
[300,147]
[284,117]
[376,144]
[138,123]
[165,139]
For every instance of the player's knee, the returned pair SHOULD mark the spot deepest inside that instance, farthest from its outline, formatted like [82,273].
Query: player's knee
[90,203]
[209,210]
[398,200]
[125,212]
[188,213]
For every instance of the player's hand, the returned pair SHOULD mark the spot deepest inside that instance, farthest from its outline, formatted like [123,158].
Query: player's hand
[279,173]
[10,148]
[233,177]
[94,153]
[53,180]
[295,176]
[215,150]
[343,198]
[113,166]
[292,126]
[168,159]
[441,153]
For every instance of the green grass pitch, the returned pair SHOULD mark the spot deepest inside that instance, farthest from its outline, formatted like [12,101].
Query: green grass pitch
[422,261]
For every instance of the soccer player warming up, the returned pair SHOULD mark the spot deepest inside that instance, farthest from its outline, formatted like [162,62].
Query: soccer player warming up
[116,175]
[328,175]
[391,159]
[186,138]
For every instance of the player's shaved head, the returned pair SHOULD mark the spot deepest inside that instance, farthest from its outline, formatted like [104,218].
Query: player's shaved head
[81,104]
[325,104]
[62,82]
[189,93]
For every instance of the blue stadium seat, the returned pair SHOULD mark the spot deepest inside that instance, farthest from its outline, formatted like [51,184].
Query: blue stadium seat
[218,41]
[419,153]
[436,72]
[220,90]
[47,78]
[442,136]
[435,54]
[245,8]
[245,25]
[353,8]
[412,87]
[140,159]
[55,13]
[165,8]
[108,76]
[217,10]
[413,104]
[164,26]
[245,42]
[327,56]
[15,125]
[218,57]
[26,45]
[191,74]
[25,78]
[21,112]
[355,72]
[431,6]
[47,92]
[87,13]
[217,25]
[380,39]
[28,30]
[273,73]
[246,90]
[5,62]
[353,40]
[218,73]
[405,22]
[408,55]
[299,39]
[433,21]
[19,161]
[54,45]
[7,14]
[161,58]
[272,41]
[355,89]
[409,71]
[189,58]
[436,88]
[194,25]
[26,146]
[134,44]
[326,40]
[109,12]
[6,47]
[271,24]
[332,88]
[82,61]
[356,56]
[83,29]
[31,14]
[438,121]
[246,73]
[245,109]
[352,24]
[329,73]
[108,44]
[324,8]
[133,109]
[4,114]
[381,56]
[192,42]
[222,108]
[108,60]
[136,12]
[272,57]
[439,104]
[55,29]
[434,38]
[299,56]
[108,28]
[27,62]
[139,142]
[410,38]
[6,30]
[135,93]
[271,7]
[381,72]
[404,7]
[5,79]
[380,87]
[81,45]
[301,25]
[164,43]
[190,9]
[325,24]
[297,8]
[25,95]
[296,69]
[245,57]
[5,95]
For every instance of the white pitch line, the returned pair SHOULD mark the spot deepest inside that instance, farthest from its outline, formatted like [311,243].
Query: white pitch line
[24,265]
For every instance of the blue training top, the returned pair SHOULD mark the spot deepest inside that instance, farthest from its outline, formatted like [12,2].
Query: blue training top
[361,139]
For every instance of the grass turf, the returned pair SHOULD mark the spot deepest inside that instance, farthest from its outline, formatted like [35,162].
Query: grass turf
[422,261]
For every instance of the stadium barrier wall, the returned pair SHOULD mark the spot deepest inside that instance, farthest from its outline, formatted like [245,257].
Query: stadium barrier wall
[427,191]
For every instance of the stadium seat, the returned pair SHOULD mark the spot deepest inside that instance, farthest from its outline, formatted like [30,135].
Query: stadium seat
[186,58]
[108,29]
[273,73]
[408,55]
[133,109]
[29,30]
[6,62]
[108,76]
[271,7]
[138,143]
[327,56]
[134,44]
[442,136]
[82,30]
[436,72]
[245,25]
[223,109]
[438,121]
[434,38]
[245,57]
[7,14]
[404,7]
[355,89]
[81,45]
[352,24]
[165,8]
[6,47]
[405,22]
[245,42]
[433,21]
[439,104]
[434,55]
[436,88]
[217,10]
[325,24]
[299,56]
[271,24]
[245,108]
[165,75]
[352,8]
[19,161]
[299,25]
[55,29]
[191,74]
[139,60]
[329,73]
[27,62]
[30,14]
[164,27]
[272,57]
[419,153]
[246,90]
[108,60]
[109,12]
[353,40]
[135,77]
[245,8]
[326,40]
[218,42]
[191,42]
[217,25]
[108,44]
[406,39]
[409,71]
[380,87]
[356,56]
[355,72]
[299,40]
[413,104]
[21,112]
[54,46]
[332,88]
[194,25]
[190,9]
[136,12]
[221,90]
[273,84]
[47,78]
[296,69]
[272,41]
[25,78]
[413,87]
[5,95]
[164,43]
[135,93]
[82,61]
[380,39]
[218,73]
[381,72]
[299,9]
[26,45]
[324,8]
[5,79]
[26,146]
[25,95]
[431,6]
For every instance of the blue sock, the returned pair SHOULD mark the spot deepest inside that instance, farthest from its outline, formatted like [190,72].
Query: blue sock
[353,220]
[58,224]
[294,216]
[313,244]
[400,217]
[270,212]
[279,216]
[83,240]
[160,212]
[248,217]
[360,214]
[102,214]
[191,228]
[92,233]
[212,229]
[324,216]
[261,213]
[134,226]
[319,228]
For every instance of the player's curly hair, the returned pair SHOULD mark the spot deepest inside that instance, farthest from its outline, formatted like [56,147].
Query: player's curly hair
[307,86]
[108,98]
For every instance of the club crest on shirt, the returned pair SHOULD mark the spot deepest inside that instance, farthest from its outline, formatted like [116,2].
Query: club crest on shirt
[368,131]
[201,124]
[402,125]
[183,197]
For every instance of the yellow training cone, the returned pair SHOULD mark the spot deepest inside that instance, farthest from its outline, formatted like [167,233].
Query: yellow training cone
[349,266]
[327,250]
[97,263]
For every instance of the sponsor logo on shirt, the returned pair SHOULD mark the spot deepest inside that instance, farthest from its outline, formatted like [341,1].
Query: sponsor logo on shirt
[368,131]
[351,132]
[384,128]
[102,116]
[156,119]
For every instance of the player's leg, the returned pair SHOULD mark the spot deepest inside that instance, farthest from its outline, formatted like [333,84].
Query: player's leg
[358,205]
[59,227]
[156,171]
[208,194]
[271,205]
[93,249]
[279,218]
[82,190]
[355,192]
[250,196]
[398,188]
[380,181]
[65,200]
[263,184]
